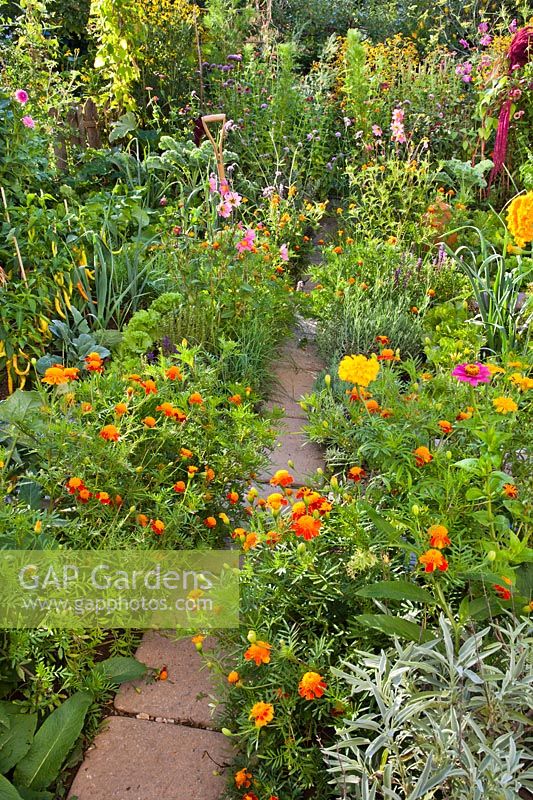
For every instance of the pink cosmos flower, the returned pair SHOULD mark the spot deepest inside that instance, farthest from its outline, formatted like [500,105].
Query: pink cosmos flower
[376,130]
[233,198]
[224,209]
[21,96]
[485,40]
[284,252]
[213,184]
[483,27]
[28,121]
[472,373]
[397,128]
[248,242]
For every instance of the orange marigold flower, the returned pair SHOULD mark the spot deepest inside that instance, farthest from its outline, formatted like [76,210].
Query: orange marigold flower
[174,373]
[196,399]
[110,433]
[84,495]
[372,406]
[142,519]
[414,310]
[422,456]
[55,376]
[273,538]
[233,677]
[276,500]
[134,378]
[502,591]
[250,796]
[259,652]
[358,394]
[179,487]
[150,422]
[103,497]
[243,778]
[431,292]
[438,536]
[504,405]
[383,340]
[236,399]
[121,408]
[262,714]
[307,527]
[337,250]
[250,542]
[356,474]
[209,474]
[445,426]
[185,452]
[388,355]
[510,490]
[72,373]
[86,408]
[198,638]
[281,478]
[386,413]
[433,559]
[118,500]
[210,522]
[312,686]
[192,470]
[233,497]
[149,387]
[462,415]
[74,484]
[167,409]
[94,363]
[157,526]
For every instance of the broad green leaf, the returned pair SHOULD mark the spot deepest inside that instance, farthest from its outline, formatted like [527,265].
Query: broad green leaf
[125,124]
[30,794]
[397,590]
[120,669]
[7,790]
[53,742]
[16,740]
[395,626]
[19,406]
[381,523]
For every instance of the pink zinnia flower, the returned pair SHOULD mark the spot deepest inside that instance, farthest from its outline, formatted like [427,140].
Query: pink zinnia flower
[28,121]
[472,373]
[21,96]
[284,252]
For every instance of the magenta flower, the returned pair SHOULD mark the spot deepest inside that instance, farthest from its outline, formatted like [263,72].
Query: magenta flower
[483,27]
[213,184]
[472,373]
[21,96]
[248,242]
[485,40]
[28,121]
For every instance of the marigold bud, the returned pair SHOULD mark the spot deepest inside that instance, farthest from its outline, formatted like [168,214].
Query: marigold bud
[415,510]
[252,637]
[327,380]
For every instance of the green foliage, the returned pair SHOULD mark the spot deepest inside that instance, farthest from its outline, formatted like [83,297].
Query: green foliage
[458,715]
[355,82]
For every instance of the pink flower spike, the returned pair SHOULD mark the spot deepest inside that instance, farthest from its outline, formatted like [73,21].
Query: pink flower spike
[284,252]
[472,373]
[21,96]
[28,121]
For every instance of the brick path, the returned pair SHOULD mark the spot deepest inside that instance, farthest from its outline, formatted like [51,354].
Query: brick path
[163,743]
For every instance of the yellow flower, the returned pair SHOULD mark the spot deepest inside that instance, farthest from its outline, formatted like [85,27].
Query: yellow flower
[494,369]
[262,713]
[521,381]
[358,370]
[504,405]
[520,218]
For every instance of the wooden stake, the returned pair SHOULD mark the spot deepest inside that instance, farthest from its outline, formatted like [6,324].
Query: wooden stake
[17,248]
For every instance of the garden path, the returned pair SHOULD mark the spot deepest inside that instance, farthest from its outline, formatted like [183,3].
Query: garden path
[161,741]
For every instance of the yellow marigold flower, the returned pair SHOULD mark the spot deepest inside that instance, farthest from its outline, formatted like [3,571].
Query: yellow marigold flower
[358,370]
[521,381]
[312,686]
[494,369]
[504,405]
[262,714]
[55,376]
[520,218]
